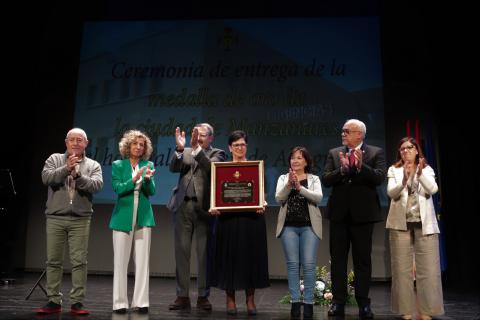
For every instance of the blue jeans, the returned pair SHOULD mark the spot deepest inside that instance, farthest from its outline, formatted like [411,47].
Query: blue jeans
[300,246]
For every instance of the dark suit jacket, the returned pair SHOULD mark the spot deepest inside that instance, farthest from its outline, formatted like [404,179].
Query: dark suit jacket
[200,175]
[354,196]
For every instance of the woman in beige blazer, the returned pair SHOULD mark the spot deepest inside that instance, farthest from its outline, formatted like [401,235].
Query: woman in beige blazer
[413,234]
[299,227]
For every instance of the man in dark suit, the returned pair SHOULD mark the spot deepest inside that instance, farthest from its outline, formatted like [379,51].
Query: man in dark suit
[354,171]
[189,203]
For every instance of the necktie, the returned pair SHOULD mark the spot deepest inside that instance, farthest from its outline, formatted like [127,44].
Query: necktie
[351,158]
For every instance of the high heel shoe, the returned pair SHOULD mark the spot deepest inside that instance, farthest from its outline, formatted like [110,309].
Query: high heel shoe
[232,311]
[250,299]
[252,312]
[231,307]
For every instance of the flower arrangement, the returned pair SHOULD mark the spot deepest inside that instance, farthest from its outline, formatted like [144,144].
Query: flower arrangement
[322,294]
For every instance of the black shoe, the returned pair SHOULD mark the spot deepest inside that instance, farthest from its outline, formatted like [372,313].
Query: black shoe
[336,309]
[143,310]
[120,311]
[181,303]
[50,307]
[78,309]
[204,304]
[365,312]
[295,310]
[307,311]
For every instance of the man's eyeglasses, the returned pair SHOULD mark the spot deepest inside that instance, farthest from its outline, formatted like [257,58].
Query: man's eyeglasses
[407,148]
[239,145]
[348,131]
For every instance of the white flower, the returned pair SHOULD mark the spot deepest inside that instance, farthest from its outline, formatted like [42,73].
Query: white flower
[320,286]
[302,287]
[328,295]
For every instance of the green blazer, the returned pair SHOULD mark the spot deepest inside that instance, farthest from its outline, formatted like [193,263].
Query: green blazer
[123,186]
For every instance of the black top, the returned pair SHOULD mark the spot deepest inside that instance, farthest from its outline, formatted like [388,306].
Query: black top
[297,208]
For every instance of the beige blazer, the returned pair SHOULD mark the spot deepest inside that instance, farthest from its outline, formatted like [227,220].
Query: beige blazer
[397,216]
[313,194]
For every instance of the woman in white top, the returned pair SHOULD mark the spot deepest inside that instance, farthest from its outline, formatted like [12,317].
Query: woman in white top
[414,245]
[299,227]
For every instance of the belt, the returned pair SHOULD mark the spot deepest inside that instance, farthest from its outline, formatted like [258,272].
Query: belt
[187,198]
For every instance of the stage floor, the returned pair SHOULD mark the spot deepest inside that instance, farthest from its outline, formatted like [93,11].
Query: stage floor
[13,305]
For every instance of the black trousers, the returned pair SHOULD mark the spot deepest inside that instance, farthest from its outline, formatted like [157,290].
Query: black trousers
[342,234]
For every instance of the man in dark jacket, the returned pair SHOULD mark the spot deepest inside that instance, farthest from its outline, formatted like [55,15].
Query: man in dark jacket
[353,171]
[189,204]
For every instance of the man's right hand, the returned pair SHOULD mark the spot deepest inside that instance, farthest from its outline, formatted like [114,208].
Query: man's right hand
[72,161]
[194,141]
[179,139]
[344,163]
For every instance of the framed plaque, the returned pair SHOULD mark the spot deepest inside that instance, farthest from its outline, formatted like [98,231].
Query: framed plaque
[237,186]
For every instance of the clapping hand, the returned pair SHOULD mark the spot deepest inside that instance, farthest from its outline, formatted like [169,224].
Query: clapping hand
[179,139]
[293,180]
[358,158]
[139,174]
[149,173]
[408,169]
[421,164]
[344,163]
[194,140]
[72,162]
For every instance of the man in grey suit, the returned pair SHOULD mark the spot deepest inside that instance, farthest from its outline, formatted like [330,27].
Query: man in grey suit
[189,204]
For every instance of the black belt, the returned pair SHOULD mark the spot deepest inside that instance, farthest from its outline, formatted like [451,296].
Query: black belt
[187,198]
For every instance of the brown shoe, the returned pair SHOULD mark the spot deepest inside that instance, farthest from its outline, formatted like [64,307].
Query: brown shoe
[181,303]
[204,304]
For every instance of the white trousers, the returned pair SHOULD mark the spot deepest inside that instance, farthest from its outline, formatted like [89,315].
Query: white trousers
[122,246]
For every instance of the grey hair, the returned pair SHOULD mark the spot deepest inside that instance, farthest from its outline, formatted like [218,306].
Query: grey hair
[77,130]
[128,138]
[359,124]
[206,125]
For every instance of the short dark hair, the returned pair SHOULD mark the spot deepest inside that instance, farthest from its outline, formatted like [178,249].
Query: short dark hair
[237,135]
[306,155]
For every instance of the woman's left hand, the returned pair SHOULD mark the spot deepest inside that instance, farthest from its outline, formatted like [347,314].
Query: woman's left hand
[262,210]
[149,173]
[421,165]
[214,212]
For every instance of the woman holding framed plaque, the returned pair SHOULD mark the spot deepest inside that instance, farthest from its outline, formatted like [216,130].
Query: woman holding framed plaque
[299,226]
[240,255]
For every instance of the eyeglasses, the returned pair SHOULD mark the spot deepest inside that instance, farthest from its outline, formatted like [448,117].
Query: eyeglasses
[348,131]
[73,140]
[407,148]
[239,145]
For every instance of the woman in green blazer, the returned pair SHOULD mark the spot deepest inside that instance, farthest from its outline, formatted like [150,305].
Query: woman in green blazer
[132,219]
